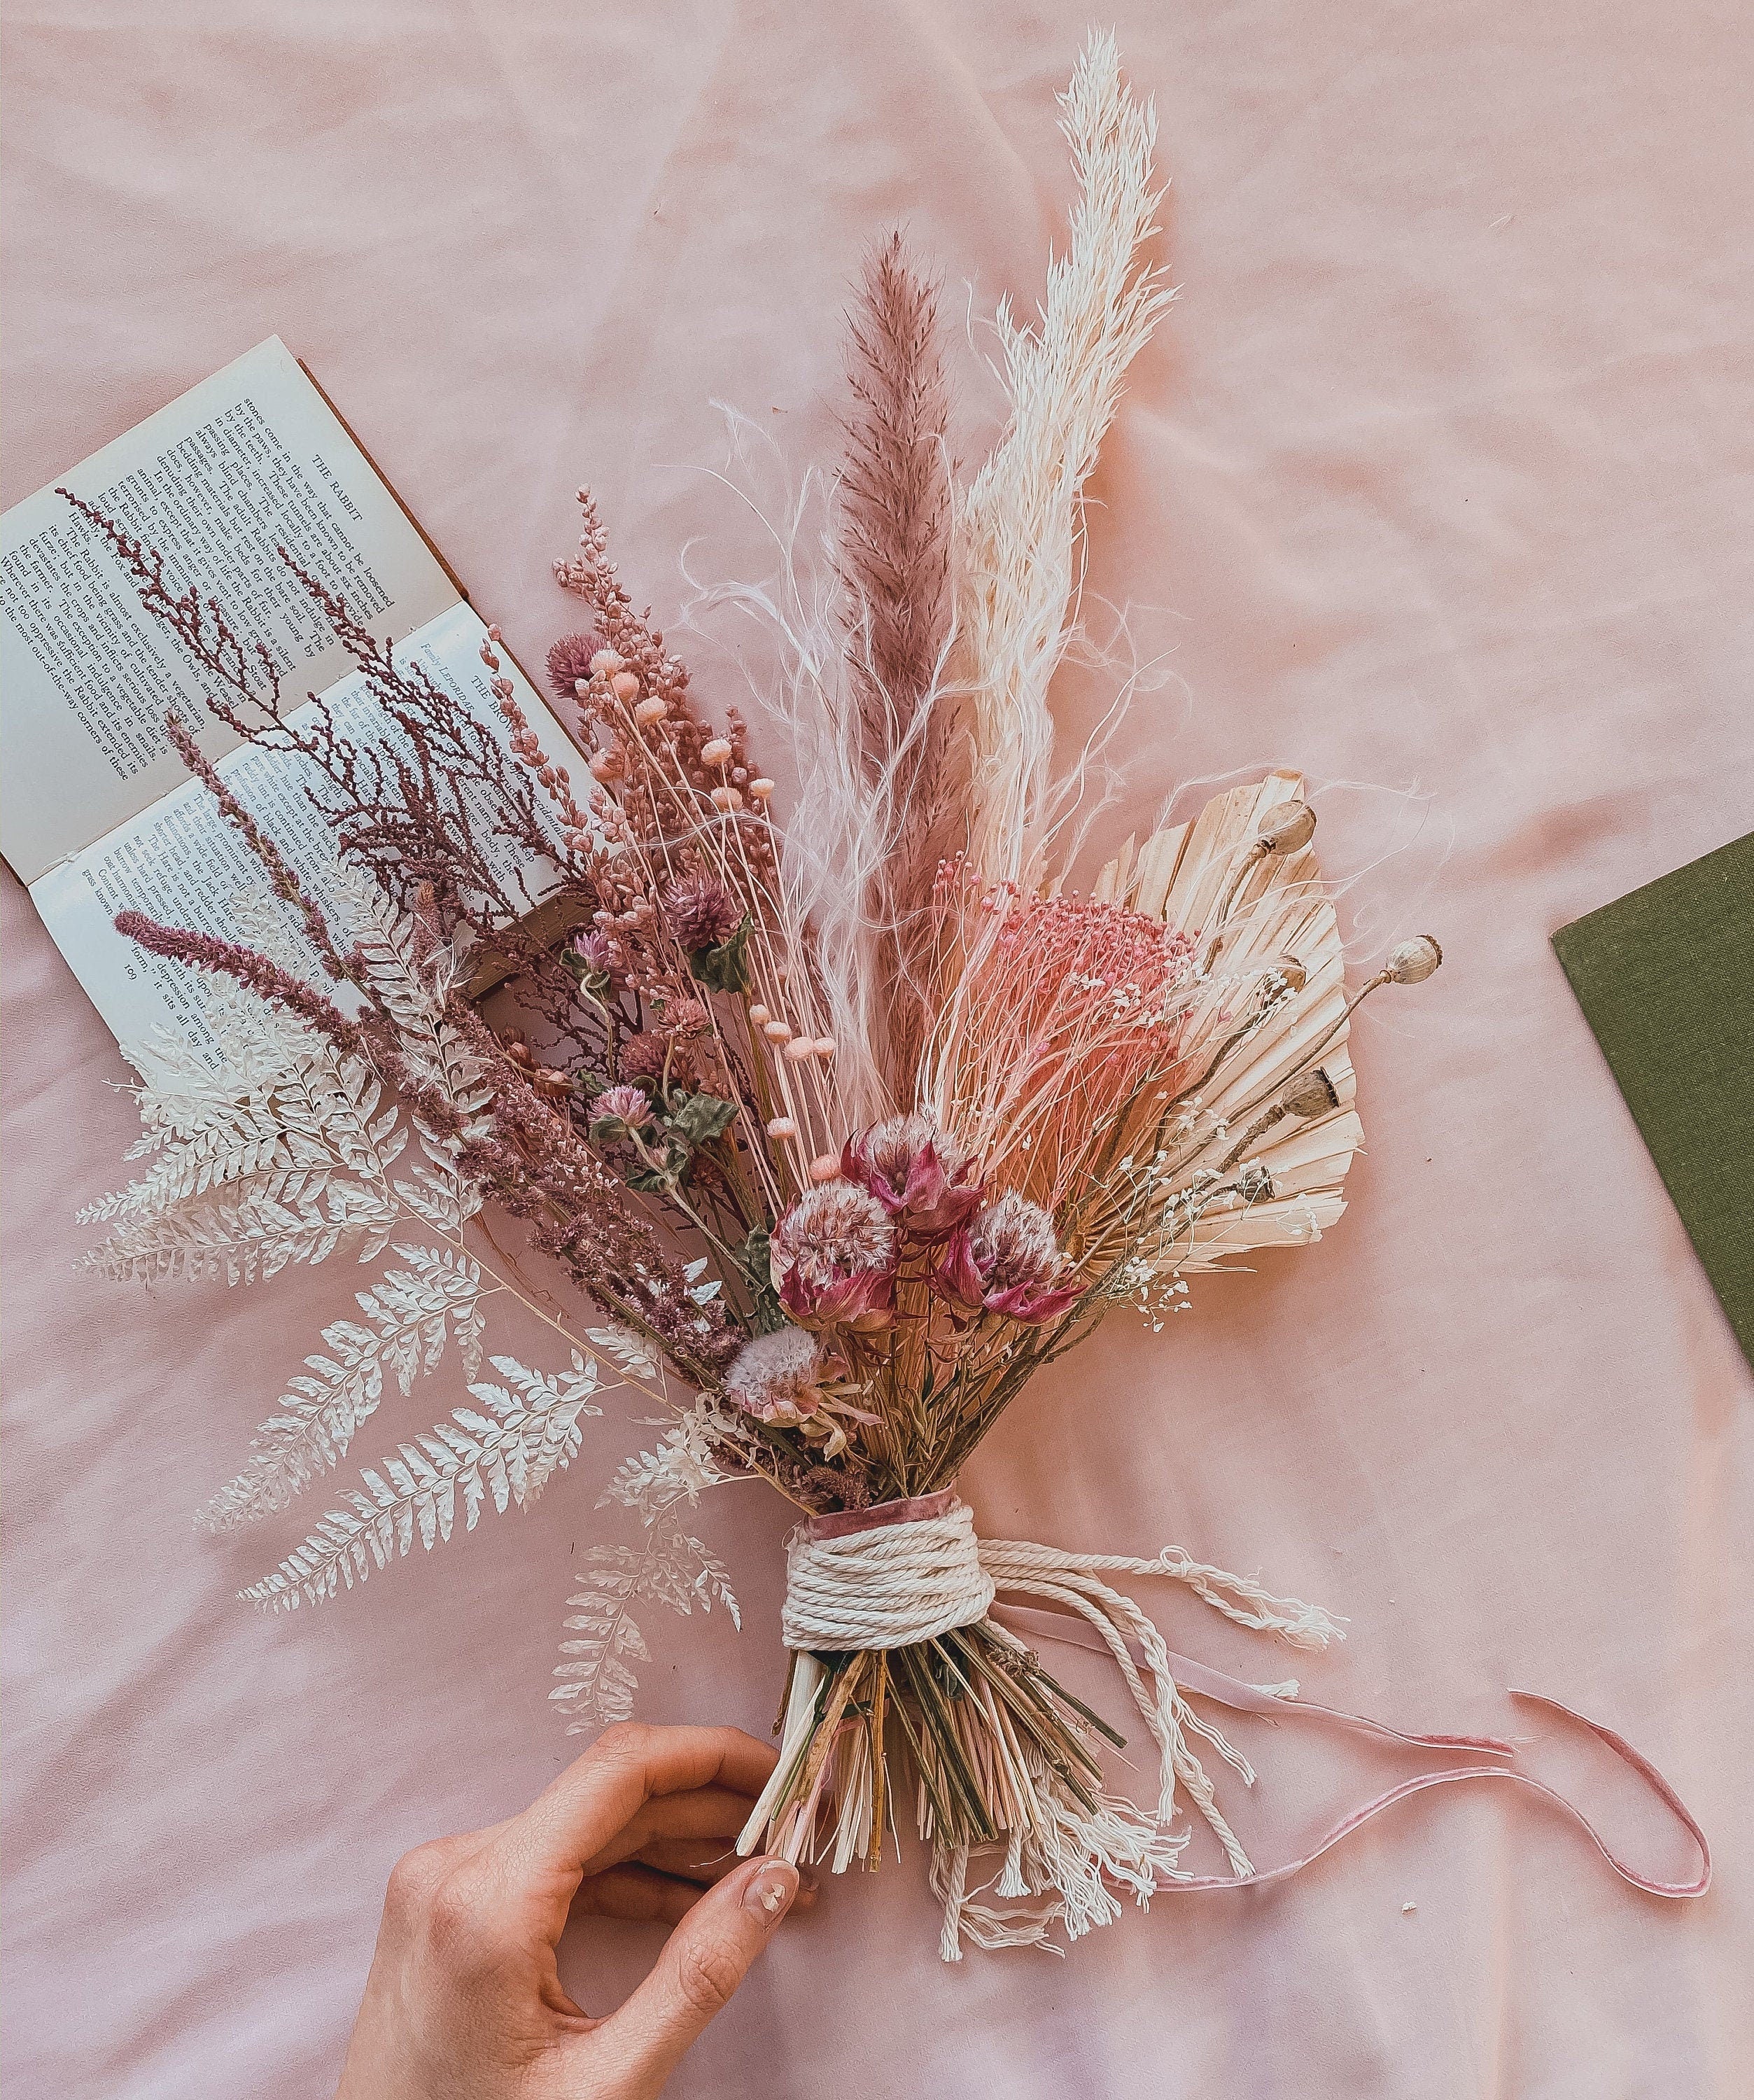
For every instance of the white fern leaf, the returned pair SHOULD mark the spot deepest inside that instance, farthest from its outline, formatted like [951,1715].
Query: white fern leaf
[712,1582]
[509,1454]
[439,1193]
[411,1311]
[414,990]
[682,1466]
[245,1240]
[595,1685]
[632,1352]
[280,1155]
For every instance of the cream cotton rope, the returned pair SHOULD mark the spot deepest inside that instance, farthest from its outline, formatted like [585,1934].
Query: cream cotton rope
[888,1587]
[906,1573]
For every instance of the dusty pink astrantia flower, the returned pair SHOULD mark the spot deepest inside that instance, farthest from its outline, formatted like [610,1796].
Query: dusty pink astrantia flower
[833,1257]
[777,1378]
[925,1180]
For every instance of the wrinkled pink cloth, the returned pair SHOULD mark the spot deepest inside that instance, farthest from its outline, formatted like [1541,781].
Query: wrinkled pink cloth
[1438,474]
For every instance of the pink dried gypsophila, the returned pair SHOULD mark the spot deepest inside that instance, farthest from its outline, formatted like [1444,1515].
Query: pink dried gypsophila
[923,1178]
[1067,1006]
[777,1378]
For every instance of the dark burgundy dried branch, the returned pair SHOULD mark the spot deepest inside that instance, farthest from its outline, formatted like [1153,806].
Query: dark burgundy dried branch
[205,952]
[422,816]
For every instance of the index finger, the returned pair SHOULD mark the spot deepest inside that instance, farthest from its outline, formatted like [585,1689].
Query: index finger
[546,1847]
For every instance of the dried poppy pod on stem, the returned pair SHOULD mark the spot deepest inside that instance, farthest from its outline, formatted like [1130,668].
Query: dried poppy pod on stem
[1414,961]
[1410,962]
[1304,1097]
[1285,828]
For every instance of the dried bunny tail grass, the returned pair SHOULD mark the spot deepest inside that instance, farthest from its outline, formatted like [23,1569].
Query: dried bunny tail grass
[893,516]
[893,527]
[843,925]
[1018,529]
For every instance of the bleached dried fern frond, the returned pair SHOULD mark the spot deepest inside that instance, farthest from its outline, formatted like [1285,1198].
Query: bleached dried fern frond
[1019,528]
[530,1432]
[279,1152]
[412,1313]
[596,1682]
[414,990]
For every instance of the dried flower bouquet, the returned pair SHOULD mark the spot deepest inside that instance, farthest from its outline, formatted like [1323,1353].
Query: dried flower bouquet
[846,1128]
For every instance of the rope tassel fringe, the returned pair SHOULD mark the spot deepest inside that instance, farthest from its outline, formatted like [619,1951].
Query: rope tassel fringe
[899,1639]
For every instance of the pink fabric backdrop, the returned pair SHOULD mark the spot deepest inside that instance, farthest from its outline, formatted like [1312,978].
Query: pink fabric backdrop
[1439,474]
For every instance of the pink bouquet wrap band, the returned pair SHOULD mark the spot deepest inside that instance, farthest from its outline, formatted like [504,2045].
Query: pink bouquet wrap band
[1206,1683]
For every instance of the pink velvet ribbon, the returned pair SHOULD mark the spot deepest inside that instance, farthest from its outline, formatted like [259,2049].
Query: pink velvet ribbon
[1206,1682]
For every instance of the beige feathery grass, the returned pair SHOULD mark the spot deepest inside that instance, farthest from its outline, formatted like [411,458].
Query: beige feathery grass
[1019,527]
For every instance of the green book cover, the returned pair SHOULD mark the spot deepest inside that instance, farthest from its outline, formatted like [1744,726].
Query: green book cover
[1666,979]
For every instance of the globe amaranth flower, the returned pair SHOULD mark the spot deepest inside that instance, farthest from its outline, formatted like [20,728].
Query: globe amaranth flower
[1007,1259]
[833,1256]
[777,1378]
[699,911]
[569,661]
[631,1105]
[923,1178]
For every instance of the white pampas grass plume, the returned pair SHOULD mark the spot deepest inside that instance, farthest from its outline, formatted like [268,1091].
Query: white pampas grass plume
[1018,528]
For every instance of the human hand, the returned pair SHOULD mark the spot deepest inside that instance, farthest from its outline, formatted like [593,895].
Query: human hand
[463,2001]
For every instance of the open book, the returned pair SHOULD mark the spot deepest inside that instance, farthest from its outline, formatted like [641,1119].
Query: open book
[97,814]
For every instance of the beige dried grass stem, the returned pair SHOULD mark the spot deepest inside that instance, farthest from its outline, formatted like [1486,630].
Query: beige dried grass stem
[1019,528]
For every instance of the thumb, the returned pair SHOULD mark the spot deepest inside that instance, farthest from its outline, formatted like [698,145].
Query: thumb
[704,1961]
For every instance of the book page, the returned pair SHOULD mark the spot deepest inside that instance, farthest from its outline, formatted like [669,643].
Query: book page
[182,863]
[250,461]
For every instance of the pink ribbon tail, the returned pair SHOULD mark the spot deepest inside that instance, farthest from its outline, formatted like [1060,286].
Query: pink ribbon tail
[1204,1682]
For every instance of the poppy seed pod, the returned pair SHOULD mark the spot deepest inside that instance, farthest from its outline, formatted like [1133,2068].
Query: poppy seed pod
[1286,829]
[1414,961]
[1309,1095]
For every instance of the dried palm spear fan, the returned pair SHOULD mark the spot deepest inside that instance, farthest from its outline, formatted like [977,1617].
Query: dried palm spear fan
[847,1126]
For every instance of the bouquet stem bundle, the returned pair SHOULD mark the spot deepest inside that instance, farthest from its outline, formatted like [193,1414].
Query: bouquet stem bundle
[1005,1760]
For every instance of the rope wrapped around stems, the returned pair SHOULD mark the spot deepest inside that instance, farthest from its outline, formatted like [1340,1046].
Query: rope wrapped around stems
[904,1579]
[906,1572]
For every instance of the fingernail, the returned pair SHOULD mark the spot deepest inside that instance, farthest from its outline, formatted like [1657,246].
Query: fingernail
[770,1892]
